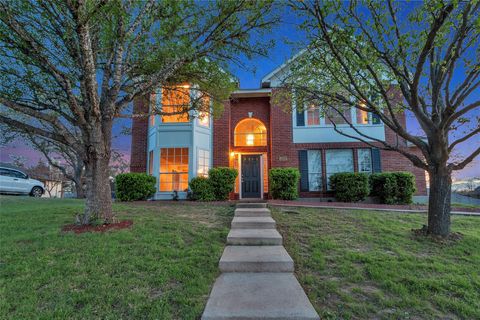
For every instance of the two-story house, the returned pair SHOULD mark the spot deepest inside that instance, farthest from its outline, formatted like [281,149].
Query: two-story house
[253,135]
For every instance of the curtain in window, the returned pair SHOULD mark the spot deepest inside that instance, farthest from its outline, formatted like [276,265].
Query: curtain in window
[338,160]
[314,170]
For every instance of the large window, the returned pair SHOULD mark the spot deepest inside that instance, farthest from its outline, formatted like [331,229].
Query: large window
[338,160]
[204,113]
[314,170]
[250,132]
[203,162]
[176,100]
[173,169]
[364,160]
[333,116]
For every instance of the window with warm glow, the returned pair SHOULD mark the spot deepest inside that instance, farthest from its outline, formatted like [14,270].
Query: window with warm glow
[204,113]
[173,169]
[250,133]
[362,117]
[313,116]
[176,100]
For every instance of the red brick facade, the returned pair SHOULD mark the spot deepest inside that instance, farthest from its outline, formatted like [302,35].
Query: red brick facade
[282,152]
[138,159]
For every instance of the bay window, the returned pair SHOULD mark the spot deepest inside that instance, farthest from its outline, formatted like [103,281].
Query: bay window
[176,99]
[203,162]
[173,169]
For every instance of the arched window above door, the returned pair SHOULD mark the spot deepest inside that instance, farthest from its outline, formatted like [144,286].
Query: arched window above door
[250,133]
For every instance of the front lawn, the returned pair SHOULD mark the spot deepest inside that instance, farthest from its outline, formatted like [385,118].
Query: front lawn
[364,265]
[161,268]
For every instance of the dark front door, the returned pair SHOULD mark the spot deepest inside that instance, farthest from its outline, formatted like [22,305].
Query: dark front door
[251,176]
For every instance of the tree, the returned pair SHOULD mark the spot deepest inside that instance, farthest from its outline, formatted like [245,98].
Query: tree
[70,67]
[362,53]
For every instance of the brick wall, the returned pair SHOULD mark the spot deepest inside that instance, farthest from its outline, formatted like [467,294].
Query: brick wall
[138,153]
[221,142]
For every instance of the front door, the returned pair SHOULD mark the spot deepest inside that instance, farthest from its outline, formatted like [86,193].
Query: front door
[251,186]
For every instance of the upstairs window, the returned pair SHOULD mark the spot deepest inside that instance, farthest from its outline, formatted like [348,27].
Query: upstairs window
[250,133]
[313,116]
[204,113]
[332,116]
[176,100]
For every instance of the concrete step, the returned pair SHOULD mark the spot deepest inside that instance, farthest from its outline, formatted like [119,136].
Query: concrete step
[258,296]
[255,259]
[252,212]
[254,237]
[251,205]
[253,223]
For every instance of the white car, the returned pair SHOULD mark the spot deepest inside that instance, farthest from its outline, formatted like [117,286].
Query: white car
[13,181]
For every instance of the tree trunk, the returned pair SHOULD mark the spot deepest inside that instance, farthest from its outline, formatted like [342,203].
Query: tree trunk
[98,203]
[79,190]
[439,202]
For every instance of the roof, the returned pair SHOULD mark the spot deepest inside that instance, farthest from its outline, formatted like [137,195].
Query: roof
[250,93]
[267,79]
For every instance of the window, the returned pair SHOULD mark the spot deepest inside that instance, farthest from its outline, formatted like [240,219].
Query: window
[333,116]
[176,100]
[364,160]
[313,116]
[153,108]
[204,114]
[250,132]
[203,162]
[173,169]
[362,117]
[338,160]
[150,163]
[314,170]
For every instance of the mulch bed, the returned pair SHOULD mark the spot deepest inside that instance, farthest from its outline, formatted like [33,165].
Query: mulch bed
[97,228]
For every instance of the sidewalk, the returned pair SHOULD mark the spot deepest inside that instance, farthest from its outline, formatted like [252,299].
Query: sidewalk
[368,206]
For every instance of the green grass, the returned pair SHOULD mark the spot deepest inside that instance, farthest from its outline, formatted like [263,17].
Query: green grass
[363,265]
[161,268]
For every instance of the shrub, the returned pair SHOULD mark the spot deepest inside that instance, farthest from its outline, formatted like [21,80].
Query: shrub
[393,187]
[284,183]
[222,180]
[350,187]
[201,189]
[405,187]
[134,186]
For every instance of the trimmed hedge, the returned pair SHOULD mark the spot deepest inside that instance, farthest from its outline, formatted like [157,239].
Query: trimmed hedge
[201,189]
[222,181]
[393,187]
[134,186]
[284,183]
[350,187]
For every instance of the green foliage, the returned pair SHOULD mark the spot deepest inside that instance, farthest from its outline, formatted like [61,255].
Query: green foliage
[350,187]
[134,186]
[284,183]
[201,189]
[393,187]
[222,180]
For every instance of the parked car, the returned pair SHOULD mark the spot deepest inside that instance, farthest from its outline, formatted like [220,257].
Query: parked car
[14,181]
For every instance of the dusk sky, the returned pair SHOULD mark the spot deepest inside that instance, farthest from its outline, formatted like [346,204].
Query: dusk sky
[249,78]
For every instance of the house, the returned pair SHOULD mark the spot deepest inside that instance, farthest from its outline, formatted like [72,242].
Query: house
[52,178]
[253,135]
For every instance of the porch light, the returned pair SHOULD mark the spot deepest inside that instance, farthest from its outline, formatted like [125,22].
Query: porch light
[232,154]
[250,140]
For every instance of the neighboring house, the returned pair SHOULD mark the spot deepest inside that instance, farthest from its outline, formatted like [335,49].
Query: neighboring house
[51,177]
[254,135]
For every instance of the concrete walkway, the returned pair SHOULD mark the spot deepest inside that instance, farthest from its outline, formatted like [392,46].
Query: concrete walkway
[257,280]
